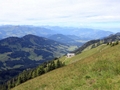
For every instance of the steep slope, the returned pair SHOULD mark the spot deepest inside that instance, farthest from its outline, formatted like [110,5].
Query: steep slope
[100,70]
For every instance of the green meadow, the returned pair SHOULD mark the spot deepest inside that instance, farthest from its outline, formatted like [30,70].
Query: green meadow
[93,69]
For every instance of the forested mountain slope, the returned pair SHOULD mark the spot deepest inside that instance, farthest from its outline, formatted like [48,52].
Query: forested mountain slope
[17,54]
[28,50]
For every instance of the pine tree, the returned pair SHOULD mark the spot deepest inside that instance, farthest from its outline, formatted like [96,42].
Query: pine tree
[19,81]
[53,65]
[117,42]
[108,43]
[40,70]
[58,64]
[34,73]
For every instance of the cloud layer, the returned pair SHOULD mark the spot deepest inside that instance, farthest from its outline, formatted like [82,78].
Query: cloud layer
[59,12]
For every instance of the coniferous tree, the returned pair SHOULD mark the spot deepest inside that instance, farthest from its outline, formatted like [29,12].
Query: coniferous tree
[117,42]
[18,80]
[58,63]
[53,65]
[29,74]
[24,76]
[108,43]
[34,73]
[40,70]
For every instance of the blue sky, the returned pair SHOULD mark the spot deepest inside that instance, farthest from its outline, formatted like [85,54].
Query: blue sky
[103,14]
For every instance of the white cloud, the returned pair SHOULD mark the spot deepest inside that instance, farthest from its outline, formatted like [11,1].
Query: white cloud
[38,12]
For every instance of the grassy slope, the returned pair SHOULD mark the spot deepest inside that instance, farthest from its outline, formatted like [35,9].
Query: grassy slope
[83,55]
[96,69]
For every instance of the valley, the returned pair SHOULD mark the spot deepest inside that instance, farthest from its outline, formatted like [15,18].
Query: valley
[18,54]
[59,45]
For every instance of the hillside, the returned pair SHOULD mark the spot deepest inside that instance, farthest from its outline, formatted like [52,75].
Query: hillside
[26,52]
[94,43]
[66,39]
[94,69]
[61,38]
[30,49]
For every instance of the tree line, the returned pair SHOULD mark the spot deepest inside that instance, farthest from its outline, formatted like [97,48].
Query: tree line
[32,73]
[113,43]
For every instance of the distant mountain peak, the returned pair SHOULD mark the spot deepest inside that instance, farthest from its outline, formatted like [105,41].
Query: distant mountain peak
[30,35]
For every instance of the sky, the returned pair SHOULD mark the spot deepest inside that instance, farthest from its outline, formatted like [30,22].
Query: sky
[102,14]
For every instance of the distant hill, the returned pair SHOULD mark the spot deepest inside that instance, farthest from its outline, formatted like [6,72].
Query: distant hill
[27,52]
[94,43]
[66,39]
[61,38]
[74,37]
[112,37]
[95,69]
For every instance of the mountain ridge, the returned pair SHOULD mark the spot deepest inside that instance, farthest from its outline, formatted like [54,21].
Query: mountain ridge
[66,39]
[27,52]
[44,31]
[97,42]
[28,41]
[83,33]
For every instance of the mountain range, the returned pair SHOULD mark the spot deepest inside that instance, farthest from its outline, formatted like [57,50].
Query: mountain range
[20,31]
[82,33]
[46,31]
